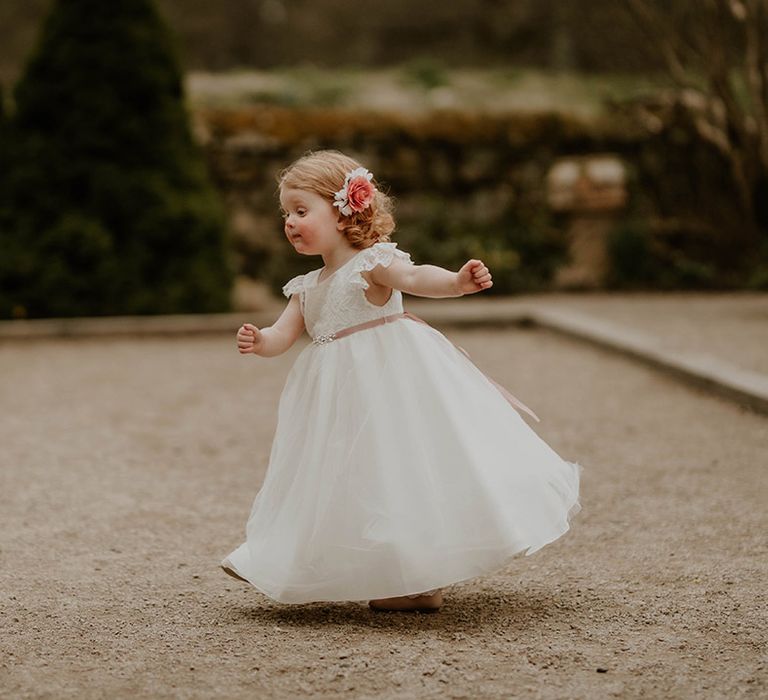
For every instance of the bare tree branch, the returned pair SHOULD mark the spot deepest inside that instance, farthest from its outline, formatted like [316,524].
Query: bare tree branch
[658,32]
[755,61]
[701,46]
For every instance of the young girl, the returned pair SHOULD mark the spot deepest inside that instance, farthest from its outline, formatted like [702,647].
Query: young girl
[397,466]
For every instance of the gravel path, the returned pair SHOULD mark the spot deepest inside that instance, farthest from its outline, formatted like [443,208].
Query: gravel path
[129,466]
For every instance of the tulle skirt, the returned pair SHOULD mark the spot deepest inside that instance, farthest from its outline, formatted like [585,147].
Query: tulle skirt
[397,467]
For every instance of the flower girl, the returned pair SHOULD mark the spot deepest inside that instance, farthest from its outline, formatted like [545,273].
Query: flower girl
[397,466]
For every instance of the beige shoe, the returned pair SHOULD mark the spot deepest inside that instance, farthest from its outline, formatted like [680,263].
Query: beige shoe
[228,569]
[409,603]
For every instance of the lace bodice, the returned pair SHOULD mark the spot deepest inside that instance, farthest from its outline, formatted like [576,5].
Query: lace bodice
[339,300]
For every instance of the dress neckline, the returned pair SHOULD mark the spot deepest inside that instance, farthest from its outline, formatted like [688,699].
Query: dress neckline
[318,281]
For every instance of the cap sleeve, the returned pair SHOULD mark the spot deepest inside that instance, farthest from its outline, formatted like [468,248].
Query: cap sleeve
[382,253]
[294,285]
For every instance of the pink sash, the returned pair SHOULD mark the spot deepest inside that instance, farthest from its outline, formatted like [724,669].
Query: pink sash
[516,403]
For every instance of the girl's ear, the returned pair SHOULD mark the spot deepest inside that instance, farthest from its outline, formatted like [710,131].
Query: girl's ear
[339,225]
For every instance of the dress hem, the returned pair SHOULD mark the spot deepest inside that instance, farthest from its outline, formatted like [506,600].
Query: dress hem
[526,550]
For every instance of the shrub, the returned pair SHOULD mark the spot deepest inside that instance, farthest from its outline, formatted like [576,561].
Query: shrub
[108,206]
[630,258]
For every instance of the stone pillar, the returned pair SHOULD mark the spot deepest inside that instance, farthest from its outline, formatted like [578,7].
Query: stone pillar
[592,191]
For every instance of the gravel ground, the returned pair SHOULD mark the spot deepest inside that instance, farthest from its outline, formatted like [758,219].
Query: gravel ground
[128,470]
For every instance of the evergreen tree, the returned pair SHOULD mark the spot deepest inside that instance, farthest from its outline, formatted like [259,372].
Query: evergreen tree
[109,205]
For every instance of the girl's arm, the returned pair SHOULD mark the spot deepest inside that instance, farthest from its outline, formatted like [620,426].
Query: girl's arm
[431,280]
[275,339]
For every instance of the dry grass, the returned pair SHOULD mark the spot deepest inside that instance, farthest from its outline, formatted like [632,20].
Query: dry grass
[417,88]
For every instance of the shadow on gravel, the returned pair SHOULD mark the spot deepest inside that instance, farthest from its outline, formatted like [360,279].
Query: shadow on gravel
[475,610]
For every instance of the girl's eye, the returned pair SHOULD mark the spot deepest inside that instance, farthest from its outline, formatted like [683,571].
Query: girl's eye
[299,212]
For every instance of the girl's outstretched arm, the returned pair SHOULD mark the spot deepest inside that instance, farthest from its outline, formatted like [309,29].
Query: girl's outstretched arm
[275,339]
[433,281]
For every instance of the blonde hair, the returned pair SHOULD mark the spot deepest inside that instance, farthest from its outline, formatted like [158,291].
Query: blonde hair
[323,172]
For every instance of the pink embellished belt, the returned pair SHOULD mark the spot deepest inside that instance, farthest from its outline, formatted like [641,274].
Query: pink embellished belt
[328,337]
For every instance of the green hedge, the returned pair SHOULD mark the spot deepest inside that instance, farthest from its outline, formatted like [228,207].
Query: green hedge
[465,185]
[473,185]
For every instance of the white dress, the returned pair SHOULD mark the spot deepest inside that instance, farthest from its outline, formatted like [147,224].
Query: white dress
[397,466]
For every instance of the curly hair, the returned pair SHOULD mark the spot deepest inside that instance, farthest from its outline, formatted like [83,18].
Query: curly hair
[323,172]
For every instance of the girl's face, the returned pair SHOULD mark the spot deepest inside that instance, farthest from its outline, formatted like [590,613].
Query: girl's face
[311,222]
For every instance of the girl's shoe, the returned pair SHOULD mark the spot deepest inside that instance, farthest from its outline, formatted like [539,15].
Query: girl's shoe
[228,569]
[421,603]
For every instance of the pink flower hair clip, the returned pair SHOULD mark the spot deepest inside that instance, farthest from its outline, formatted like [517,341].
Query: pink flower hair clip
[357,193]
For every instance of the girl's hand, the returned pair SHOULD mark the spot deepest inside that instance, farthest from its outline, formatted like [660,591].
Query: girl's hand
[249,339]
[473,277]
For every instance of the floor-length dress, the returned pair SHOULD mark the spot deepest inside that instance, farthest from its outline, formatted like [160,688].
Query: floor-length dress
[397,466]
